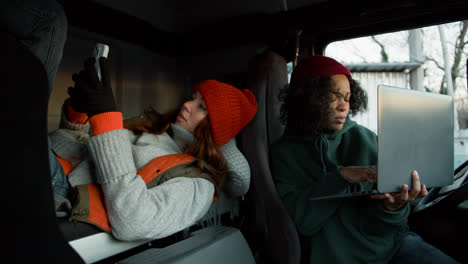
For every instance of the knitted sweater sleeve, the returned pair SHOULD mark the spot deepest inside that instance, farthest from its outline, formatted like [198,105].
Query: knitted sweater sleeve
[239,182]
[134,211]
[68,142]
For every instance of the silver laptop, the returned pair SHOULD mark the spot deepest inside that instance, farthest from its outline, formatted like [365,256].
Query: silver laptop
[415,132]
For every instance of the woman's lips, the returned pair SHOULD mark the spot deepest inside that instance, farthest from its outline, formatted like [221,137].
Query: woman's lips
[180,117]
[340,119]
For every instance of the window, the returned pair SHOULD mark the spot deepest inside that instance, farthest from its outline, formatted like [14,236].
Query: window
[431,59]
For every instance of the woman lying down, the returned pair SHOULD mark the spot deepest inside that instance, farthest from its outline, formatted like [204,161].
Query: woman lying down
[150,176]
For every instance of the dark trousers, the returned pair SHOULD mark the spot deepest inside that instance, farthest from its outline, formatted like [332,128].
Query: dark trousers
[414,249]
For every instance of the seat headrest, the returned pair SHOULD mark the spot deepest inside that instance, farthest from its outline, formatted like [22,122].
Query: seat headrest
[267,76]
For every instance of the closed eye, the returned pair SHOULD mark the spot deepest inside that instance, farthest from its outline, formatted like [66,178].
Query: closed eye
[347,97]
[335,95]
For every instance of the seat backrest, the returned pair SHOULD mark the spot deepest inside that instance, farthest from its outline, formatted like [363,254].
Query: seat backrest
[274,236]
[32,231]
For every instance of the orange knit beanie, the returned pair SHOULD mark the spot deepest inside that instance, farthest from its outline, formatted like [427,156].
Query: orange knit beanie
[229,109]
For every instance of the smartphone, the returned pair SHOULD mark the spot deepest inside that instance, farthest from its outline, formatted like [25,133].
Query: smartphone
[100,50]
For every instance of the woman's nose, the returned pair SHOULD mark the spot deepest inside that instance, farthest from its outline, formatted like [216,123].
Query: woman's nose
[187,106]
[342,105]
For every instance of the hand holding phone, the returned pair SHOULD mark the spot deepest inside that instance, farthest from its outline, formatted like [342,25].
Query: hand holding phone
[92,94]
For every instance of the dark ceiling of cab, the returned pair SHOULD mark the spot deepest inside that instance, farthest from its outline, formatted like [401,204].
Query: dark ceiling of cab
[178,27]
[186,15]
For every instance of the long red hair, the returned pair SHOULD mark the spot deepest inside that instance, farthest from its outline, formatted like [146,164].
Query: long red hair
[205,149]
[203,146]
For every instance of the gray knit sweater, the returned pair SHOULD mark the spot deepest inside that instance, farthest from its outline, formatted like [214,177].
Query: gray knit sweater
[134,211]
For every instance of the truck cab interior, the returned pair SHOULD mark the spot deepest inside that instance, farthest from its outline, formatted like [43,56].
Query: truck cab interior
[158,51]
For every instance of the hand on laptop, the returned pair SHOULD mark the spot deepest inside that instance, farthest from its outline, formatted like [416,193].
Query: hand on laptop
[396,201]
[353,174]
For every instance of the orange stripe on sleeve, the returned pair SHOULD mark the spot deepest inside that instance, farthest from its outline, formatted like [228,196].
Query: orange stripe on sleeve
[74,116]
[106,122]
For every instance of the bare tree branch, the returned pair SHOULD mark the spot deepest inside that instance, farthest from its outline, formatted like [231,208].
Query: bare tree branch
[383,52]
[436,63]
[460,41]
[459,50]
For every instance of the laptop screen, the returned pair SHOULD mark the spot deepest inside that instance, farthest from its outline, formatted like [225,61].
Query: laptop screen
[415,132]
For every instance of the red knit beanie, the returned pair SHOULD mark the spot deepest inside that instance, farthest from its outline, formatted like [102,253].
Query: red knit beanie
[318,66]
[229,109]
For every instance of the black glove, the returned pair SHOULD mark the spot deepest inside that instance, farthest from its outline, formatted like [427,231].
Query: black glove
[90,95]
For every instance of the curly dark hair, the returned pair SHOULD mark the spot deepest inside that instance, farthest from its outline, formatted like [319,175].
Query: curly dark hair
[305,104]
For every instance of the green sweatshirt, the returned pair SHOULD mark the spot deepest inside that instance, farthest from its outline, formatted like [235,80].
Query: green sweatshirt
[351,230]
